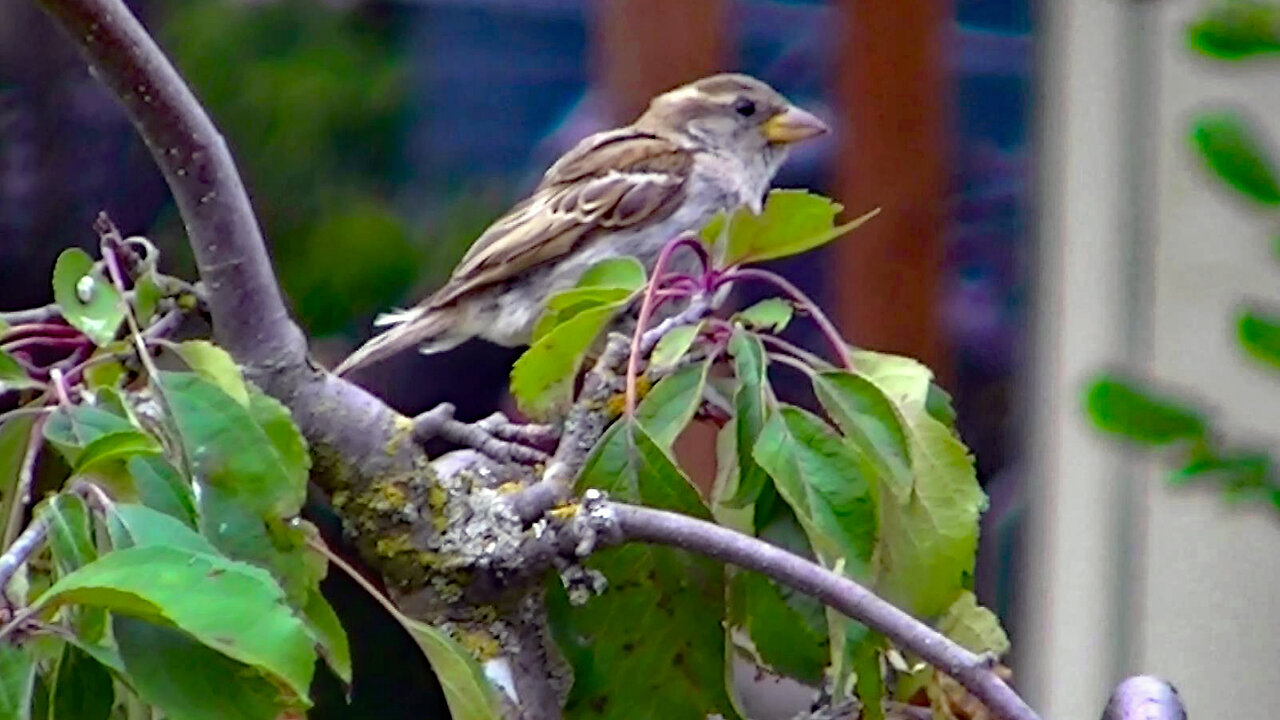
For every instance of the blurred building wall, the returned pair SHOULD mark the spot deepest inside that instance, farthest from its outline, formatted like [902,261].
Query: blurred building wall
[1143,262]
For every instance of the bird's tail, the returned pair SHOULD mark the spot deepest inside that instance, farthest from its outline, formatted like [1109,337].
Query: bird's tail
[426,329]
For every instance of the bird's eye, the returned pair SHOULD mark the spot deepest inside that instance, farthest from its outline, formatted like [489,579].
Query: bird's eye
[744,107]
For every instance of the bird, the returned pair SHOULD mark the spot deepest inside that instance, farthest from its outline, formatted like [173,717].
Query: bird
[712,145]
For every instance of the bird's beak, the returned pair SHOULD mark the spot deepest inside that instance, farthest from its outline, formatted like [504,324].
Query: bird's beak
[793,125]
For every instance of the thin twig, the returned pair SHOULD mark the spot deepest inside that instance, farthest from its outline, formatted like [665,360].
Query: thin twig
[41,314]
[824,323]
[17,552]
[651,303]
[439,422]
[635,523]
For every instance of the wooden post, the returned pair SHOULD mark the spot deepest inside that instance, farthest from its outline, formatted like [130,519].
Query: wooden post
[894,96]
[643,47]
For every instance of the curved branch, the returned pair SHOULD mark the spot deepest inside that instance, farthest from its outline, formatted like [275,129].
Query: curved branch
[974,672]
[248,311]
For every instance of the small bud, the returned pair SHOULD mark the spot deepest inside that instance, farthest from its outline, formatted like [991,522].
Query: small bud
[84,288]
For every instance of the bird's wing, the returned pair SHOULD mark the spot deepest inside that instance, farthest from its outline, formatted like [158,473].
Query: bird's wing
[612,181]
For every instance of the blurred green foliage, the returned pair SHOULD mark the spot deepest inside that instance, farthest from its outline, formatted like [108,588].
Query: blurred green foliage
[312,99]
[1231,149]
[1236,30]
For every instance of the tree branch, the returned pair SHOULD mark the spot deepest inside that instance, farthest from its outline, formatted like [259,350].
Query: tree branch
[355,438]
[641,524]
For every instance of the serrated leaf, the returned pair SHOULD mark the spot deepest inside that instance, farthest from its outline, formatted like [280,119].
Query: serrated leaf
[667,658]
[331,638]
[1236,30]
[569,304]
[85,297]
[253,453]
[82,688]
[71,429]
[12,376]
[542,379]
[621,272]
[215,365]
[1139,414]
[468,692]
[974,626]
[161,487]
[1259,335]
[1231,149]
[189,681]
[928,518]
[17,681]
[786,641]
[824,483]
[131,525]
[770,314]
[279,547]
[672,346]
[116,446]
[750,402]
[166,584]
[669,407]
[791,222]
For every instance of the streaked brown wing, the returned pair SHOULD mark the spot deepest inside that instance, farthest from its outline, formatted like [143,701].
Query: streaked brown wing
[612,181]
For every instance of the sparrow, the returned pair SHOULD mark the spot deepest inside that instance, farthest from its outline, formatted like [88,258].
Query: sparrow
[710,146]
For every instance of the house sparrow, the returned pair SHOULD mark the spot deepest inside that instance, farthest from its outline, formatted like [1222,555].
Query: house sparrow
[712,145]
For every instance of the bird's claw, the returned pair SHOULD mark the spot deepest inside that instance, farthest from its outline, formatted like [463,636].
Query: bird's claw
[495,436]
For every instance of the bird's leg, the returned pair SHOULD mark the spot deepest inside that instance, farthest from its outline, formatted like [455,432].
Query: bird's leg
[495,436]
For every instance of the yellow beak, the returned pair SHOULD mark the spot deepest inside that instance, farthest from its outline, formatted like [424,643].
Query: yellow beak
[793,125]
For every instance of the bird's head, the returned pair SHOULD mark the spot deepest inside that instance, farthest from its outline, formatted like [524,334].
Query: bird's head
[731,113]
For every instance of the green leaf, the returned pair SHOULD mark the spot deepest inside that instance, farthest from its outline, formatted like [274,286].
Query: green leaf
[17,681]
[86,298]
[278,546]
[608,282]
[215,365]
[117,446]
[672,346]
[1231,149]
[254,454]
[622,272]
[1259,335]
[787,640]
[1236,30]
[82,688]
[161,487]
[12,376]
[331,639]
[131,525]
[146,298]
[14,436]
[72,429]
[542,379]
[791,222]
[669,407]
[468,692]
[865,658]
[927,518]
[1123,407]
[252,623]
[974,626]
[652,645]
[770,314]
[750,402]
[822,480]
[189,681]
[70,532]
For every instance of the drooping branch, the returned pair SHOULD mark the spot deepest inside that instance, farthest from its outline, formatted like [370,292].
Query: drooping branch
[354,435]
[974,672]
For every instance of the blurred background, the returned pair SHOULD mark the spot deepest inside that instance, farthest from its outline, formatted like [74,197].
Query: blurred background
[1042,220]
